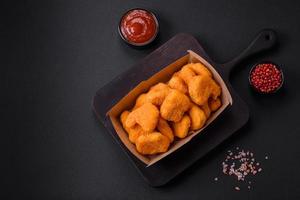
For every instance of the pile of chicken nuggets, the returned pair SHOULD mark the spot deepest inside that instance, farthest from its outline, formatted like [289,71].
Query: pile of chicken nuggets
[170,111]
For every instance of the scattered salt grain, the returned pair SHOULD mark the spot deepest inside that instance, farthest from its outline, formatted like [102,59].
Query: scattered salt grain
[266,157]
[259,170]
[241,164]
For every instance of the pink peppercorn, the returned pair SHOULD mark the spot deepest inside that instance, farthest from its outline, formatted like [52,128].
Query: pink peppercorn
[266,77]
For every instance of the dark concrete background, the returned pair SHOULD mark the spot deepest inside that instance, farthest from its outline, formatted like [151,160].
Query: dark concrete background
[56,54]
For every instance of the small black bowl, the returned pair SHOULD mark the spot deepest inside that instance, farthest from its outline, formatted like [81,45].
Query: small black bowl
[266,62]
[144,43]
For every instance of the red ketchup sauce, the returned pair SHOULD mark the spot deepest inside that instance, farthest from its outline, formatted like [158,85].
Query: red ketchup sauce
[138,26]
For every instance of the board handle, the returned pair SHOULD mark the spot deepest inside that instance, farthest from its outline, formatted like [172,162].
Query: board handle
[264,40]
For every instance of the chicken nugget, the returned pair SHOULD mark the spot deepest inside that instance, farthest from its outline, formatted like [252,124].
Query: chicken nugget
[214,104]
[186,74]
[174,106]
[181,128]
[134,132]
[177,83]
[140,101]
[200,69]
[146,116]
[203,87]
[198,117]
[165,129]
[152,143]
[123,117]
[158,93]
[206,109]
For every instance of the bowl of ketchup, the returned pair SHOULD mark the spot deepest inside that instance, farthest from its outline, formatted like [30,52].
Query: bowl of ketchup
[138,27]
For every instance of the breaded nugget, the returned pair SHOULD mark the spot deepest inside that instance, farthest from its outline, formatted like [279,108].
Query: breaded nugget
[165,129]
[146,116]
[198,117]
[134,132]
[174,106]
[214,104]
[203,87]
[140,101]
[177,83]
[152,143]
[123,116]
[206,109]
[158,93]
[186,74]
[200,69]
[181,128]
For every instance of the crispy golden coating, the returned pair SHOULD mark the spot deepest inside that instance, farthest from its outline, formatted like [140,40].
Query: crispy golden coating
[177,83]
[203,87]
[206,109]
[214,104]
[140,101]
[152,143]
[158,93]
[134,132]
[186,101]
[186,74]
[146,116]
[174,106]
[123,117]
[198,117]
[165,129]
[200,69]
[181,128]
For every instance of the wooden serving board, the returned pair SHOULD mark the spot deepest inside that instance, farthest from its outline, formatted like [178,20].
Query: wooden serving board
[232,119]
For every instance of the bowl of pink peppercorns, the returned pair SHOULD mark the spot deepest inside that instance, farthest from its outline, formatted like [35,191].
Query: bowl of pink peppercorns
[266,77]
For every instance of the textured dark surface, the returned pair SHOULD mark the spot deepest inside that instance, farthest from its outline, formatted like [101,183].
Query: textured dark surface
[56,54]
